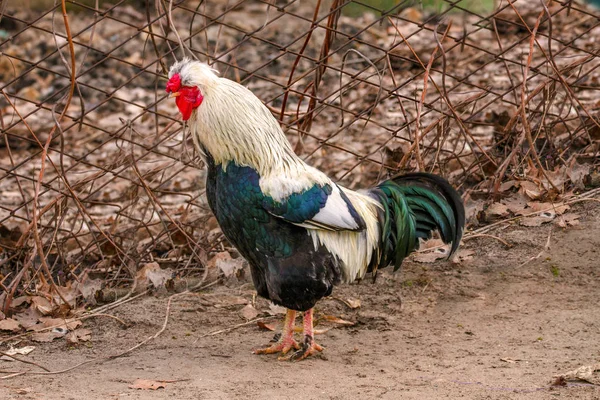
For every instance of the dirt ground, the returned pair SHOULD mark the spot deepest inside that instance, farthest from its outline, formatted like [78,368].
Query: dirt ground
[490,328]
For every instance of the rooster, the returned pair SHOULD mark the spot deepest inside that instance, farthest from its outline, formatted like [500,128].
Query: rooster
[300,231]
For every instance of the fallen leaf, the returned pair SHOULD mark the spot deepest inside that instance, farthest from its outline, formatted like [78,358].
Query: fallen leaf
[473,208]
[539,220]
[568,220]
[10,324]
[23,351]
[249,312]
[230,267]
[89,287]
[20,300]
[44,337]
[431,256]
[430,244]
[557,208]
[67,324]
[587,373]
[42,305]
[147,384]
[29,318]
[80,335]
[577,173]
[530,190]
[152,273]
[338,321]
[516,204]
[84,334]
[268,327]
[352,303]
[496,210]
[507,185]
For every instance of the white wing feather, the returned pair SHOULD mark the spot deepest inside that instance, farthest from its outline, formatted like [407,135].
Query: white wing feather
[336,213]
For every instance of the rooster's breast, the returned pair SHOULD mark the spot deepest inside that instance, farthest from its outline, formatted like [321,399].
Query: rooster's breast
[287,267]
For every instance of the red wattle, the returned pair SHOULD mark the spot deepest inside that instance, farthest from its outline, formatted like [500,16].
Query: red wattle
[185,107]
[188,100]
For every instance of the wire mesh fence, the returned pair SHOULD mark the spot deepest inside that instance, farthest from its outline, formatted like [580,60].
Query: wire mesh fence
[99,177]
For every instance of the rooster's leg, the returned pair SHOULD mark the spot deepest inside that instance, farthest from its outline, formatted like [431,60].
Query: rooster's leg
[308,347]
[287,341]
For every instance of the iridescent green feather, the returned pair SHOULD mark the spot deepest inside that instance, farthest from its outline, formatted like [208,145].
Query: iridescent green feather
[414,206]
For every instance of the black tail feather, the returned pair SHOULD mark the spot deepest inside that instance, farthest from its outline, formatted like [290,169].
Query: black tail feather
[414,205]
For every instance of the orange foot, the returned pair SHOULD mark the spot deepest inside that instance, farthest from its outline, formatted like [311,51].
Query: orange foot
[309,348]
[283,346]
[287,342]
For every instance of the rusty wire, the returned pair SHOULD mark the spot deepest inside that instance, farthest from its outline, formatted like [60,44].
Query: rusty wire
[480,97]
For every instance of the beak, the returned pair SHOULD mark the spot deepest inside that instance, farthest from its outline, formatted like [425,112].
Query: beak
[174,94]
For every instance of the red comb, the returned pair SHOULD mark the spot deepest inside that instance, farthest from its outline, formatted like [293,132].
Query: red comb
[174,84]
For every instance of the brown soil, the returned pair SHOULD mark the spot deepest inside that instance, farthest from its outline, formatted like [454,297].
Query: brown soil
[490,328]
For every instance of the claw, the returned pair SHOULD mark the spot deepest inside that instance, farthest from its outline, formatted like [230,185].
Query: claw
[281,347]
[309,348]
[286,341]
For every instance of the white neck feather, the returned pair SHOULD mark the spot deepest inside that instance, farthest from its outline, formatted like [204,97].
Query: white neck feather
[233,125]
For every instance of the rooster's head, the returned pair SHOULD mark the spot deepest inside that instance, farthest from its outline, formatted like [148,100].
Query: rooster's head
[187,79]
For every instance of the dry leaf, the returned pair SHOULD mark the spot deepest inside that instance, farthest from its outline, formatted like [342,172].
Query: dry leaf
[22,390]
[516,204]
[431,256]
[249,312]
[229,266]
[268,327]
[10,324]
[147,384]
[496,210]
[42,305]
[556,208]
[49,336]
[577,173]
[507,186]
[80,335]
[568,220]
[352,303]
[539,220]
[430,244]
[89,287]
[20,300]
[84,334]
[588,373]
[29,318]
[530,190]
[23,351]
[338,321]
[67,324]
[473,208]
[152,273]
